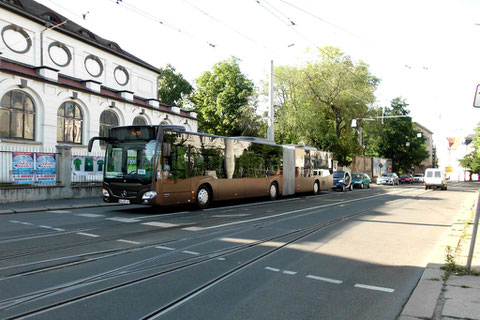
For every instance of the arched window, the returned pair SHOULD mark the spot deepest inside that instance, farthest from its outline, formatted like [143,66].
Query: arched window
[69,123]
[17,116]
[108,119]
[139,121]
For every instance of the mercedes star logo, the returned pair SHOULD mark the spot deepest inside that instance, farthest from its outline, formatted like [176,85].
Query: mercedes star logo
[124,193]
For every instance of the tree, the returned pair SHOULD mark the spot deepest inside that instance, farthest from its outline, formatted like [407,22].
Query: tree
[318,102]
[471,161]
[225,100]
[400,141]
[172,87]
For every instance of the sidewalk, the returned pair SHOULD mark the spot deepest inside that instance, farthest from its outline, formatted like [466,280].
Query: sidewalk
[447,294]
[45,205]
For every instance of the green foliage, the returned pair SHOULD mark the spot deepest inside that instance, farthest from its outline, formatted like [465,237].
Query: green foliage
[226,100]
[172,87]
[471,161]
[317,102]
[397,132]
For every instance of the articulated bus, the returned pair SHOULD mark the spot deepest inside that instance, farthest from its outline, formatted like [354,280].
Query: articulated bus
[166,165]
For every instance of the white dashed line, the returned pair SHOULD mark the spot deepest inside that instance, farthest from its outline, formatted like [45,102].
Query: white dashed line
[46,227]
[160,224]
[325,279]
[365,286]
[88,234]
[191,252]
[128,241]
[231,215]
[126,220]
[221,259]
[89,215]
[165,248]
[26,223]
[272,269]
[289,272]
[192,229]
[59,211]
[58,229]
[14,221]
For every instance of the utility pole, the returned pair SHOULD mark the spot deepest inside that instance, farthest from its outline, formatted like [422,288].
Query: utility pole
[271,113]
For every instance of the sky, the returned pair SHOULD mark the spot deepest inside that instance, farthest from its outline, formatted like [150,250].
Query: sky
[425,51]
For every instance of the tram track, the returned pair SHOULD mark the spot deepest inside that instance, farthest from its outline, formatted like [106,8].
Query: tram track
[181,264]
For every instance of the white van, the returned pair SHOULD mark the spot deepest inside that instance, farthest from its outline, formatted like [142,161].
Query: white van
[435,178]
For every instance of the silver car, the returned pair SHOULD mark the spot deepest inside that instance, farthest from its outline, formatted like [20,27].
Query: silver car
[388,178]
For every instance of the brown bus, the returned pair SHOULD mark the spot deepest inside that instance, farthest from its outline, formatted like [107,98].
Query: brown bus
[166,165]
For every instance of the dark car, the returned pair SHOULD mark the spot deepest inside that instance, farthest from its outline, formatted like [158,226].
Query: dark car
[342,180]
[405,178]
[361,180]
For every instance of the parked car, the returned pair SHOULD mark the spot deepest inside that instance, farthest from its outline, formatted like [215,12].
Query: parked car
[435,178]
[342,180]
[405,178]
[388,178]
[418,177]
[360,180]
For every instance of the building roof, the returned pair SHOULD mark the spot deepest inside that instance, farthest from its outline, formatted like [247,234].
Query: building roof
[45,16]
[26,71]
[422,127]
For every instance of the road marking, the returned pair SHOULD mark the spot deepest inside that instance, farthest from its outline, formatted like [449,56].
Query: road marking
[325,279]
[253,204]
[365,286]
[231,215]
[128,241]
[287,213]
[88,234]
[45,227]
[14,221]
[289,272]
[59,211]
[126,220]
[160,224]
[162,215]
[193,228]
[221,259]
[191,252]
[27,223]
[89,215]
[58,229]
[272,269]
[165,248]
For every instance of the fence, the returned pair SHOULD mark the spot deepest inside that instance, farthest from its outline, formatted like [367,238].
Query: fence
[32,165]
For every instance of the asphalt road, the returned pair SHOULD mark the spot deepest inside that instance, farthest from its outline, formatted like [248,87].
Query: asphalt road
[338,255]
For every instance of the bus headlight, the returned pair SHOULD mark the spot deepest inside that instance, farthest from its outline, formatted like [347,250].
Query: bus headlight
[105,193]
[149,195]
[341,181]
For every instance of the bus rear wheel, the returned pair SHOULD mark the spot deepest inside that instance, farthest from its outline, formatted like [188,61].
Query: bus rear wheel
[316,188]
[204,197]
[273,191]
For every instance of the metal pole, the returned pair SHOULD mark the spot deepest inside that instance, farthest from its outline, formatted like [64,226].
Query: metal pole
[474,235]
[271,118]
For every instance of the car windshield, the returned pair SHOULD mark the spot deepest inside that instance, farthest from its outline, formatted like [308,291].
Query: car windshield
[419,175]
[338,174]
[357,176]
[404,175]
[387,175]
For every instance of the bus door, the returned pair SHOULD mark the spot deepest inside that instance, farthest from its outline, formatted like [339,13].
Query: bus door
[175,184]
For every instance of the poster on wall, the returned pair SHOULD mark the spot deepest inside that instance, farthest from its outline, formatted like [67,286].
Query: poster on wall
[87,165]
[22,167]
[46,168]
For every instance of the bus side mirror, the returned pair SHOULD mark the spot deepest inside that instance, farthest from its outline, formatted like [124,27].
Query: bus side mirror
[92,140]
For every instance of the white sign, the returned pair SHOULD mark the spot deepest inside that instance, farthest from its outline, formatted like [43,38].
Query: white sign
[476,101]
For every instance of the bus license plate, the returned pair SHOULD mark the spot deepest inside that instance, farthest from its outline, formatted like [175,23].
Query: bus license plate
[124,201]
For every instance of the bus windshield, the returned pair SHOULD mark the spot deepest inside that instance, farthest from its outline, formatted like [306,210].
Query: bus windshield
[130,160]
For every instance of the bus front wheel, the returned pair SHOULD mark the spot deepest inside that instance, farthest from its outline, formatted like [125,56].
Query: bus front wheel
[316,187]
[204,197]
[273,191]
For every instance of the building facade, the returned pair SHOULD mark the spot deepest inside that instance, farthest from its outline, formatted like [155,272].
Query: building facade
[61,84]
[427,135]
